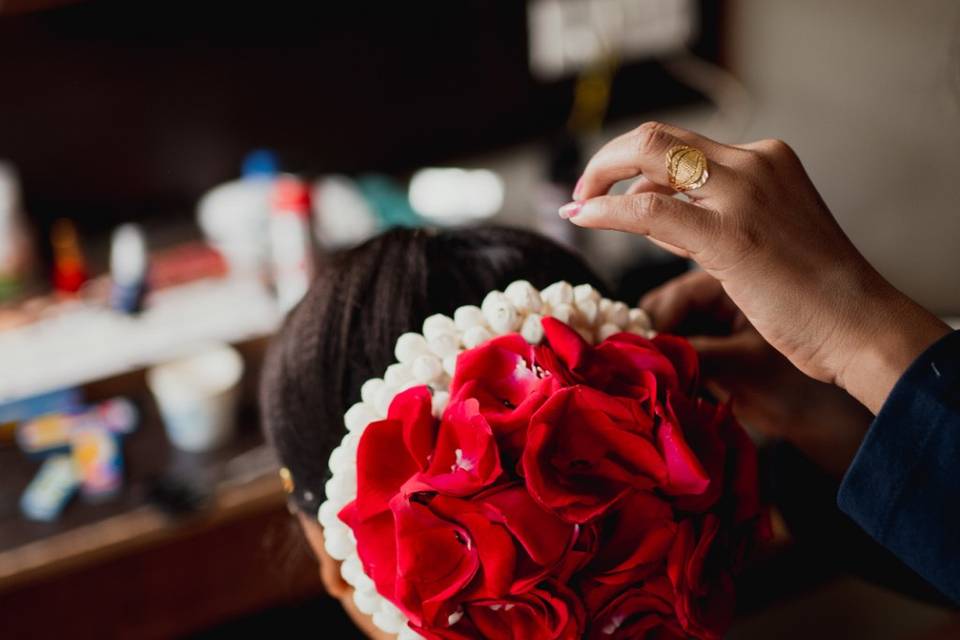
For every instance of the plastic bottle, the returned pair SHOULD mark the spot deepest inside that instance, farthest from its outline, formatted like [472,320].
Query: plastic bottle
[69,263]
[16,251]
[128,268]
[234,215]
[291,241]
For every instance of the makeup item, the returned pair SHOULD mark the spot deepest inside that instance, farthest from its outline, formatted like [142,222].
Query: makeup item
[50,490]
[15,412]
[69,265]
[128,268]
[291,241]
[50,433]
[98,461]
[197,397]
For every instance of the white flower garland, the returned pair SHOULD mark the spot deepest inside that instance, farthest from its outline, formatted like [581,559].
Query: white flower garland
[430,358]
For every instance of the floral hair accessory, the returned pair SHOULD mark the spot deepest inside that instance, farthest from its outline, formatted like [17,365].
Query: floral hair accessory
[542,466]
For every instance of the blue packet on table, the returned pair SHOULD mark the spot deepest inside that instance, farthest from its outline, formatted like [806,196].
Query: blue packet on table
[14,412]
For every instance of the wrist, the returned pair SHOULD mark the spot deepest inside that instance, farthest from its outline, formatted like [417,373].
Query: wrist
[893,331]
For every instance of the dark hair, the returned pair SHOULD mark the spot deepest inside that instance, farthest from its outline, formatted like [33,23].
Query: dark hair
[344,330]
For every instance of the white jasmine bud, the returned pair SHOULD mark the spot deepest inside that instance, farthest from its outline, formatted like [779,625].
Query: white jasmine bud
[639,317]
[385,396]
[406,633]
[500,314]
[398,374]
[370,389]
[564,313]
[439,404]
[327,514]
[351,569]
[607,329]
[359,416]
[467,317]
[388,618]
[337,458]
[450,365]
[532,329]
[367,602]
[588,312]
[444,344]
[339,541]
[618,314]
[524,296]
[558,293]
[427,368]
[438,324]
[410,346]
[585,293]
[475,336]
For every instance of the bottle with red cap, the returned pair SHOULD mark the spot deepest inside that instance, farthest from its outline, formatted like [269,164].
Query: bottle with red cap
[291,241]
[69,263]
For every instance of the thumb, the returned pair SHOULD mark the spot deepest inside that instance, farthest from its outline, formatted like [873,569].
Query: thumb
[684,225]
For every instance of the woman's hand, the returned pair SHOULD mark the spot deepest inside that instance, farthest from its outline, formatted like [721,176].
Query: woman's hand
[761,229]
[767,392]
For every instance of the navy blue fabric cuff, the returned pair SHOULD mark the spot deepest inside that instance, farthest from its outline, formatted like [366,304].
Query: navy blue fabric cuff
[903,486]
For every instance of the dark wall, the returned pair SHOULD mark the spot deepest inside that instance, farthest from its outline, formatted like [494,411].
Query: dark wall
[115,109]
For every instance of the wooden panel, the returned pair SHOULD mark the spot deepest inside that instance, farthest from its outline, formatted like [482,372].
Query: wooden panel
[176,588]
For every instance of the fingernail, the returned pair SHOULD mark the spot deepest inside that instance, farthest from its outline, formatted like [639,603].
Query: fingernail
[570,209]
[576,189]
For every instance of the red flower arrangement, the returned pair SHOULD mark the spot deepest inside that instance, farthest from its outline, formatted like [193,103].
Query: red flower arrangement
[567,491]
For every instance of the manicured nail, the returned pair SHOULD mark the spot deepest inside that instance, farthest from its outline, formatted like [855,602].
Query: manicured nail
[576,189]
[569,210]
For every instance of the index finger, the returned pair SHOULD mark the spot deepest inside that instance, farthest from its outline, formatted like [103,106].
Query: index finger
[643,152]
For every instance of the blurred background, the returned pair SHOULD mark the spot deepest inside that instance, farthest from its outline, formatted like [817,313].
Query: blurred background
[172,172]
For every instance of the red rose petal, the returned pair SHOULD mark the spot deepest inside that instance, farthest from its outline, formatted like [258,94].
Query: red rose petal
[413,408]
[638,534]
[643,612]
[377,549]
[466,458]
[685,474]
[383,466]
[582,454]
[436,559]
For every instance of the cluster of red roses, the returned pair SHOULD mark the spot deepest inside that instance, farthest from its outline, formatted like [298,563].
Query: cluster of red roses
[569,490]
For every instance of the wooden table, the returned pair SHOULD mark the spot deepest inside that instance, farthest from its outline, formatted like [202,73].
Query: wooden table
[125,568]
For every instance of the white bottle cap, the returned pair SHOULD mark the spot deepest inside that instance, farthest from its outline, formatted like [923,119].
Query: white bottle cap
[128,255]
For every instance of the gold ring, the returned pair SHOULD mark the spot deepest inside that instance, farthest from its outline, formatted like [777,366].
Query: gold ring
[686,168]
[286,478]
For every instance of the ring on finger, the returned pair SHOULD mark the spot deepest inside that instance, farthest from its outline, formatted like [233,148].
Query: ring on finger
[686,168]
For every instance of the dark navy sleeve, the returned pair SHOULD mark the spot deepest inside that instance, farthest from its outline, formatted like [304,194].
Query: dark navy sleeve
[903,486]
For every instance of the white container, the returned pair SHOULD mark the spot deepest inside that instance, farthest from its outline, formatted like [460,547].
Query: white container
[16,251]
[233,217]
[197,396]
